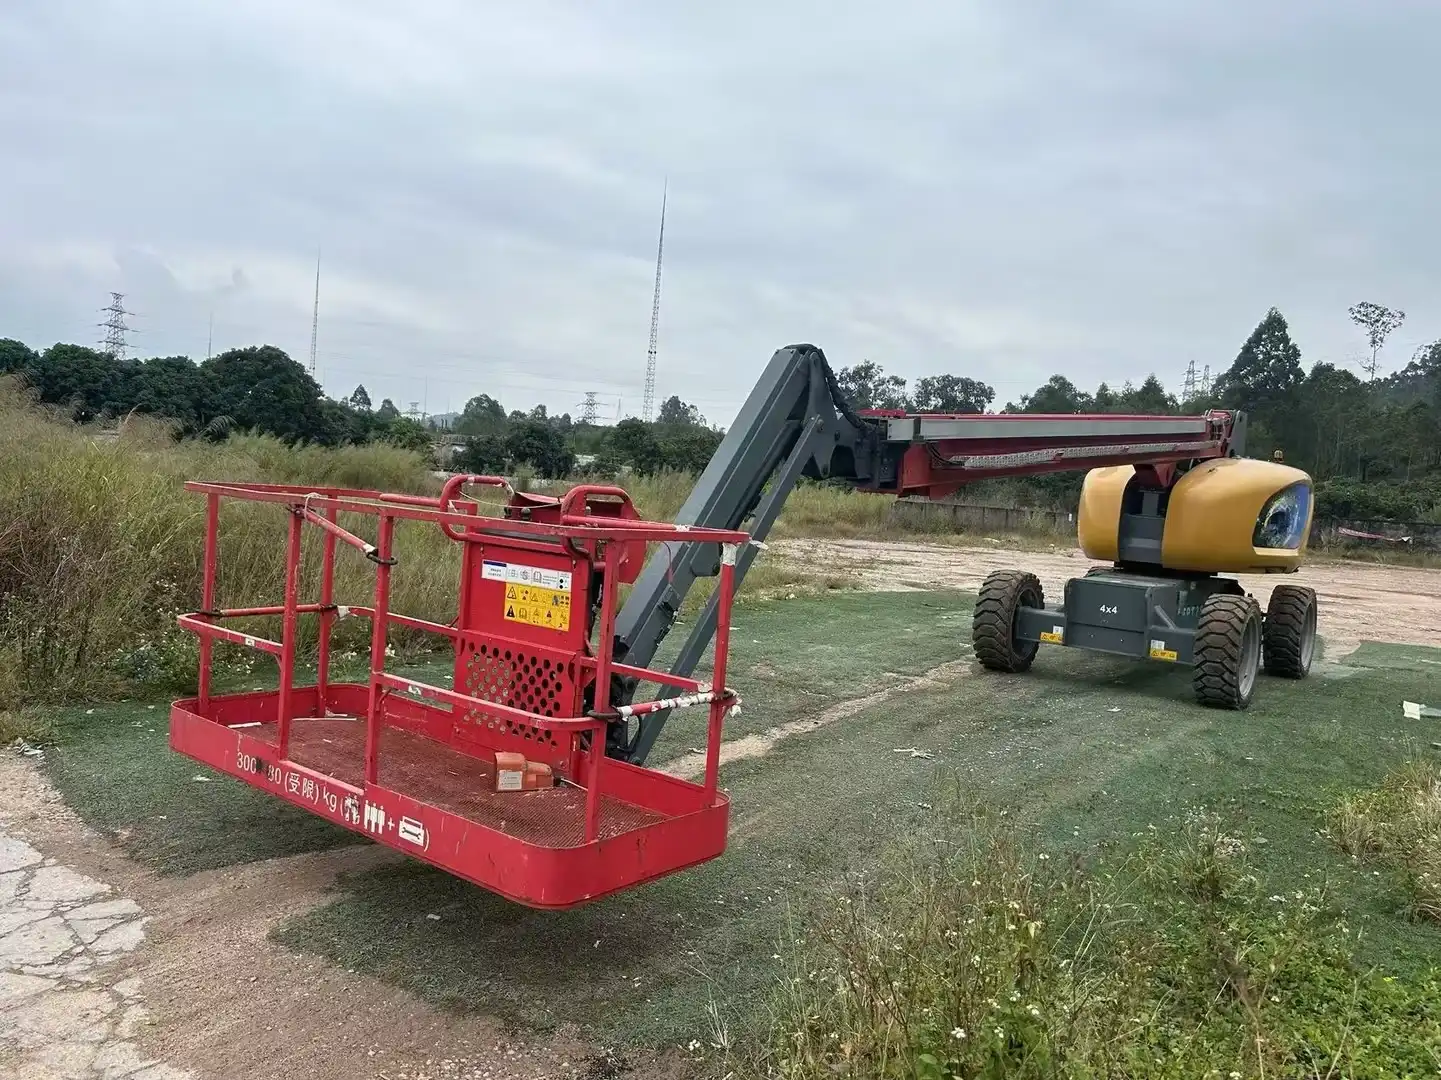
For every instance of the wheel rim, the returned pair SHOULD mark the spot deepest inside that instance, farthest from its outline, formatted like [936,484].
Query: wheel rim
[1308,638]
[1250,657]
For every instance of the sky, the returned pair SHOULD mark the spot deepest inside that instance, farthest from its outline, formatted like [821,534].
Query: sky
[1000,190]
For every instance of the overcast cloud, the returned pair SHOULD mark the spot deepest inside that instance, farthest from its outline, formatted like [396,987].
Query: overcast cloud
[1001,190]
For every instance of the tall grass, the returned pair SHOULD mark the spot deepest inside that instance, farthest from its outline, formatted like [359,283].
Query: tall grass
[100,546]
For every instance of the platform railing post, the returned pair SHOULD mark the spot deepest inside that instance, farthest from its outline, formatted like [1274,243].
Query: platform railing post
[327,619]
[605,642]
[718,707]
[289,621]
[377,646]
[207,593]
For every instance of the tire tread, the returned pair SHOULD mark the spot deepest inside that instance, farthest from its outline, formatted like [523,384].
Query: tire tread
[1284,628]
[993,621]
[1220,637]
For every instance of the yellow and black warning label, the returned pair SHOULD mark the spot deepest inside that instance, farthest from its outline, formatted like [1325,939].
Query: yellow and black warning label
[536,605]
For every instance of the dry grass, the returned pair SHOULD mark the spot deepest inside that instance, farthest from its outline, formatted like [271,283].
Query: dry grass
[25,725]
[100,548]
[1399,825]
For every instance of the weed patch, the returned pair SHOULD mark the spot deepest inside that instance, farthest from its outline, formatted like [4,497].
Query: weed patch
[25,725]
[1398,825]
[972,954]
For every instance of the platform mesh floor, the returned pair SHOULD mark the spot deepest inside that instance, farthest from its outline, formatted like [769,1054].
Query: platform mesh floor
[430,772]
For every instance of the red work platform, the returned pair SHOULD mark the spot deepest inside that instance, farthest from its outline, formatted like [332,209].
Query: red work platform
[413,765]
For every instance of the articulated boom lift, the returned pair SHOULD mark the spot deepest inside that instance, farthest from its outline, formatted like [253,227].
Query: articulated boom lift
[1170,503]
[526,775]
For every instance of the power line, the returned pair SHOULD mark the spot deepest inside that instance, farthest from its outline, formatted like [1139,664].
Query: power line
[114,343]
[648,401]
[589,408]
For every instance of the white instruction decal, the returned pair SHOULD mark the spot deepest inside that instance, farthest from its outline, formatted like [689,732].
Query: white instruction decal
[522,574]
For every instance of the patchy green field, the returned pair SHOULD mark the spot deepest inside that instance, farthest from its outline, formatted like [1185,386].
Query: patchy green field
[1086,752]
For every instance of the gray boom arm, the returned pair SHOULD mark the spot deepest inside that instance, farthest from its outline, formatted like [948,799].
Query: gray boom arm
[795,423]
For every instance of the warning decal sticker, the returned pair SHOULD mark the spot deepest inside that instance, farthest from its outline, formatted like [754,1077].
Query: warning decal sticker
[533,595]
[537,606]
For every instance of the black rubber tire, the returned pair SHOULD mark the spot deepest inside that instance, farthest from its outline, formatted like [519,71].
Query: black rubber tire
[1288,640]
[1228,651]
[993,626]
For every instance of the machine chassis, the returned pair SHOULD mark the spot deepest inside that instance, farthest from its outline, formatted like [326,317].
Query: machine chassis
[1205,621]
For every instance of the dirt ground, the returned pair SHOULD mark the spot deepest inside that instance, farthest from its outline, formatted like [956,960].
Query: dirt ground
[205,994]
[1357,601]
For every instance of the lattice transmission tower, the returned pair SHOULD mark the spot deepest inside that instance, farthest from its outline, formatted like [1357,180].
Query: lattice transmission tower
[590,409]
[648,401]
[114,342]
[1189,386]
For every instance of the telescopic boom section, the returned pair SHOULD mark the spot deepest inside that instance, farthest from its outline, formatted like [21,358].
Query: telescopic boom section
[796,424]
[942,453]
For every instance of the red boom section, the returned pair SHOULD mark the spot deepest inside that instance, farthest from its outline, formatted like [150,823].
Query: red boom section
[414,765]
[948,451]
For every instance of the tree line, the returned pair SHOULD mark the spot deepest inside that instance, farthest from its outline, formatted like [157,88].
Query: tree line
[262,389]
[1373,444]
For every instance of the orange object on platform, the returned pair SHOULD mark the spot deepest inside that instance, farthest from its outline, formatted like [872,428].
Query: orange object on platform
[514,773]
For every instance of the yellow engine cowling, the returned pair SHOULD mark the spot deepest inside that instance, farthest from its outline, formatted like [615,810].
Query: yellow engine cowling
[1218,514]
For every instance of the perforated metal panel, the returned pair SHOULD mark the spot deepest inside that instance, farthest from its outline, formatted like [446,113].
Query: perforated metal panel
[521,679]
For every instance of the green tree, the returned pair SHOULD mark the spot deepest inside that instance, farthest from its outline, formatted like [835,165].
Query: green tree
[482,415]
[359,399]
[387,411]
[951,394]
[16,356]
[675,411]
[1377,322]
[408,432]
[485,455]
[536,443]
[1150,398]
[1057,395]
[867,386]
[633,442]
[687,447]
[90,383]
[175,387]
[1265,381]
[263,389]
